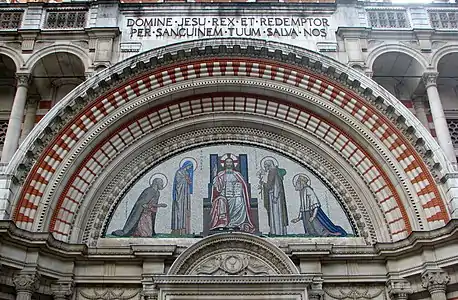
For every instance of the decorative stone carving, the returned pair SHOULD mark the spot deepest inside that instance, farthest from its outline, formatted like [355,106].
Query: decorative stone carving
[109,293]
[355,291]
[233,253]
[62,290]
[430,79]
[26,282]
[232,264]
[435,281]
[23,80]
[315,292]
[399,289]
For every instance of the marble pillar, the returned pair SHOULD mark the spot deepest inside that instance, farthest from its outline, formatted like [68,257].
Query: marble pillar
[435,281]
[30,116]
[13,132]
[437,112]
[62,290]
[420,110]
[26,285]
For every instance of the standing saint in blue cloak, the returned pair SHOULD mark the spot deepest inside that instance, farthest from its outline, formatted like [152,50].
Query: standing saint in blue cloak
[181,199]
[315,221]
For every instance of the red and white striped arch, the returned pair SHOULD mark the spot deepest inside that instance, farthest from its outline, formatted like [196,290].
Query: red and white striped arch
[335,94]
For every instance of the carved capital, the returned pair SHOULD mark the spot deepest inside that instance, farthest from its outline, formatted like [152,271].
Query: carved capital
[399,289]
[22,80]
[435,281]
[430,79]
[62,290]
[149,291]
[315,294]
[315,291]
[26,282]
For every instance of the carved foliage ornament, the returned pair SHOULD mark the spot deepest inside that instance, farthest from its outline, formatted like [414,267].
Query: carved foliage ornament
[233,264]
[435,281]
[109,293]
[61,290]
[26,282]
[430,79]
[355,292]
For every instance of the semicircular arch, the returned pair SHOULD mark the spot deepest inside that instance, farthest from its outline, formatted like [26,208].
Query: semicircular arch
[360,98]
[271,258]
[440,53]
[71,49]
[14,56]
[387,48]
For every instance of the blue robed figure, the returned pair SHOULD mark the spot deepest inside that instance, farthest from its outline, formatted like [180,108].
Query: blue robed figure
[314,219]
[181,199]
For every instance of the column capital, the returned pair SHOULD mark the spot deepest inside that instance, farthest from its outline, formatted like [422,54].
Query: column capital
[149,291]
[62,289]
[435,281]
[315,291]
[399,289]
[26,282]
[23,79]
[430,78]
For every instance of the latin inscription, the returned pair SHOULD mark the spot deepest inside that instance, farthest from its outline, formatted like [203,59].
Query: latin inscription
[202,27]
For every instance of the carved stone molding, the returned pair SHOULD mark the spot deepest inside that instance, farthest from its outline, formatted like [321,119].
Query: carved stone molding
[62,290]
[430,79]
[26,282]
[398,289]
[435,281]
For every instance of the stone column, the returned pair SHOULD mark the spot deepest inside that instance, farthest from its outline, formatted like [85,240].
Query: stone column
[26,285]
[420,110]
[399,289]
[435,281]
[30,116]
[62,290]
[17,114]
[437,112]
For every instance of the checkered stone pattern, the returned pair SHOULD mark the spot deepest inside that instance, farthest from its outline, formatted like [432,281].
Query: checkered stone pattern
[415,170]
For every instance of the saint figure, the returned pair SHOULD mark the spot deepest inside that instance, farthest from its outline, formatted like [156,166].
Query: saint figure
[181,199]
[313,218]
[230,200]
[273,194]
[142,218]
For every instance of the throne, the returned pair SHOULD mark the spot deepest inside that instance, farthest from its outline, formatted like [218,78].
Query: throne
[215,167]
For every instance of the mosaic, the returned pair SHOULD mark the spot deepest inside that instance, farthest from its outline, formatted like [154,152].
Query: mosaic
[229,188]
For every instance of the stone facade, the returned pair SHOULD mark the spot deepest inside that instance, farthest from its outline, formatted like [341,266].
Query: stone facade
[344,113]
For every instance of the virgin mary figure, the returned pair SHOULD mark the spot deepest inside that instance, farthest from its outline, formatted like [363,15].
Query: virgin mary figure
[181,198]
[314,220]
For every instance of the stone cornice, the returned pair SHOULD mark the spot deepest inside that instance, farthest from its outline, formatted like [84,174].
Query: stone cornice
[215,279]
[10,234]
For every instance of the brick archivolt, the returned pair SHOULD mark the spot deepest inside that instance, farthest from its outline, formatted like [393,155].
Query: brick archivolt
[76,122]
